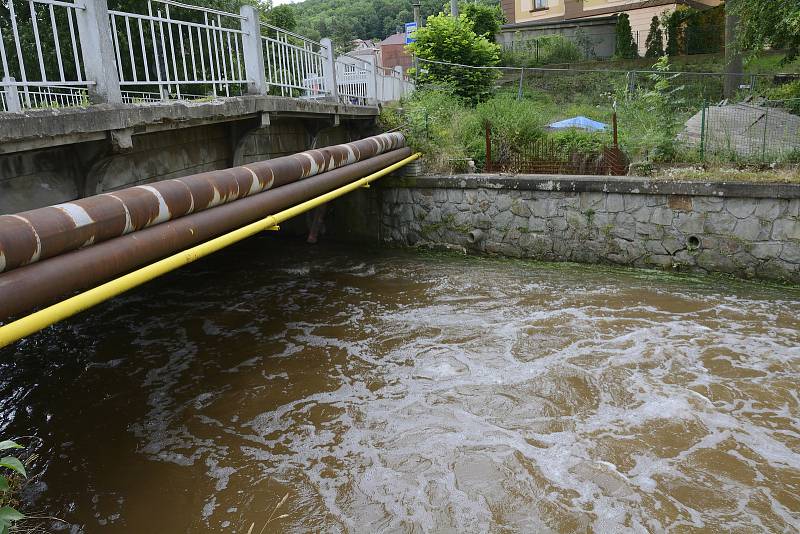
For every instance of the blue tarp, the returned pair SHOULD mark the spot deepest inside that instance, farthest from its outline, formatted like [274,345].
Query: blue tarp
[580,122]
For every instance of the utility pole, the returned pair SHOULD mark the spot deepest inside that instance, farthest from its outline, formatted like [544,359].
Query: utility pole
[733,58]
[454,8]
[415,5]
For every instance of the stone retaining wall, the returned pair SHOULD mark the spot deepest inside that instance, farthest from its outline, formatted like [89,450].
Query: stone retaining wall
[747,230]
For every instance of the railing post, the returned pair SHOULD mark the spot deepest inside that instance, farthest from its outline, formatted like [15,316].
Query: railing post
[401,83]
[372,81]
[98,51]
[253,52]
[12,95]
[329,68]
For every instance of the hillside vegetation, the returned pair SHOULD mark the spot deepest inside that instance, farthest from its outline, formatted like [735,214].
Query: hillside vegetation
[345,20]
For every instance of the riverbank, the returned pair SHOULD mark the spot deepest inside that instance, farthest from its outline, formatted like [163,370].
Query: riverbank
[743,229]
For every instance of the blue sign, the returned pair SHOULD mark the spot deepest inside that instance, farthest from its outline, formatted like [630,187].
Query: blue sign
[411,27]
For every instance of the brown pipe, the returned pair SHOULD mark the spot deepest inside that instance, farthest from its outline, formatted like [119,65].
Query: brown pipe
[42,233]
[41,283]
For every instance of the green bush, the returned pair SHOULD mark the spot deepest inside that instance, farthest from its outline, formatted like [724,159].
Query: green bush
[574,140]
[545,50]
[486,19]
[655,40]
[787,96]
[451,40]
[11,468]
[625,45]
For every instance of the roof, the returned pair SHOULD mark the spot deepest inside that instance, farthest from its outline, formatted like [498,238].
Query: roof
[360,44]
[363,52]
[397,38]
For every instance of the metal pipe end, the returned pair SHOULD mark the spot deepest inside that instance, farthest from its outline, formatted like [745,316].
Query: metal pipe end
[475,236]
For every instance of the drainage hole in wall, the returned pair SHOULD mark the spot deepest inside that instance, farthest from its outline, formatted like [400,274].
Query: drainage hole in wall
[693,243]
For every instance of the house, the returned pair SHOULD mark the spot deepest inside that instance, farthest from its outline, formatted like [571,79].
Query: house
[595,18]
[393,52]
[366,49]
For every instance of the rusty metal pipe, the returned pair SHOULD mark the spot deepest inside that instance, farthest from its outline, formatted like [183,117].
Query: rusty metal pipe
[35,235]
[31,286]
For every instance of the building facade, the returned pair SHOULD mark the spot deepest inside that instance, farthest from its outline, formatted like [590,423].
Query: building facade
[533,18]
[393,52]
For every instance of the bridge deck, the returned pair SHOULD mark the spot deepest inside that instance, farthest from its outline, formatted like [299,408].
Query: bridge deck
[44,128]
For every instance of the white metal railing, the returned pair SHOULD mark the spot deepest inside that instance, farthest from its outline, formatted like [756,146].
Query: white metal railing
[353,79]
[59,53]
[392,84]
[39,52]
[177,50]
[294,64]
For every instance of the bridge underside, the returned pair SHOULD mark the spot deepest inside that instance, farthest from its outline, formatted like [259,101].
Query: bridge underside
[56,155]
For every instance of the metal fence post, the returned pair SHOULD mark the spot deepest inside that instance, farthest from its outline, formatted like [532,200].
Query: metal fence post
[703,132]
[631,82]
[521,78]
[329,68]
[12,95]
[764,136]
[253,52]
[97,50]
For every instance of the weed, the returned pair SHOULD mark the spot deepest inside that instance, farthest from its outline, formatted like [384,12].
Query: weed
[9,481]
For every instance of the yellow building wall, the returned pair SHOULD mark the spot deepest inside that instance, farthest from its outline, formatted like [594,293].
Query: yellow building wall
[592,5]
[523,9]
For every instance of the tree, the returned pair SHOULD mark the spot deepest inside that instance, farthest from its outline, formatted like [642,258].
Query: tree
[452,40]
[282,17]
[356,19]
[767,23]
[655,39]
[626,46]
[672,23]
[486,19]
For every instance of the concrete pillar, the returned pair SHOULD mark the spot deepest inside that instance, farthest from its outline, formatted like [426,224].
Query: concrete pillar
[253,52]
[372,81]
[97,49]
[329,69]
[12,95]
[401,83]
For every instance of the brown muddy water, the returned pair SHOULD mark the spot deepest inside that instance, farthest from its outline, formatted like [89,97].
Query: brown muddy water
[391,391]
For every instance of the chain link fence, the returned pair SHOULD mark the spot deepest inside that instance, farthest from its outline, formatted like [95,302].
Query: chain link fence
[760,131]
[665,116]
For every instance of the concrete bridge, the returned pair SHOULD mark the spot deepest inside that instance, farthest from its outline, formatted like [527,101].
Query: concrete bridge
[96,100]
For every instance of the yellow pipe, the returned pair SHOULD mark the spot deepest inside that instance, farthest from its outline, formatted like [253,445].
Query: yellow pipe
[66,308]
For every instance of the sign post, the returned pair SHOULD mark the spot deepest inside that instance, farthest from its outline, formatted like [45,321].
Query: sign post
[411,27]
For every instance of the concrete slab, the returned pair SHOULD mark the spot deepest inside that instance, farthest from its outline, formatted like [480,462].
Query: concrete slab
[34,129]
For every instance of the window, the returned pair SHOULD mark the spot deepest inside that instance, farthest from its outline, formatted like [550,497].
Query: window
[539,5]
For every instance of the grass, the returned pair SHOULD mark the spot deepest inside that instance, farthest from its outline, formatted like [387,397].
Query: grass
[789,175]
[451,133]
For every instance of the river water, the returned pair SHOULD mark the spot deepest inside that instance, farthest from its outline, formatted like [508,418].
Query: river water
[391,391]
